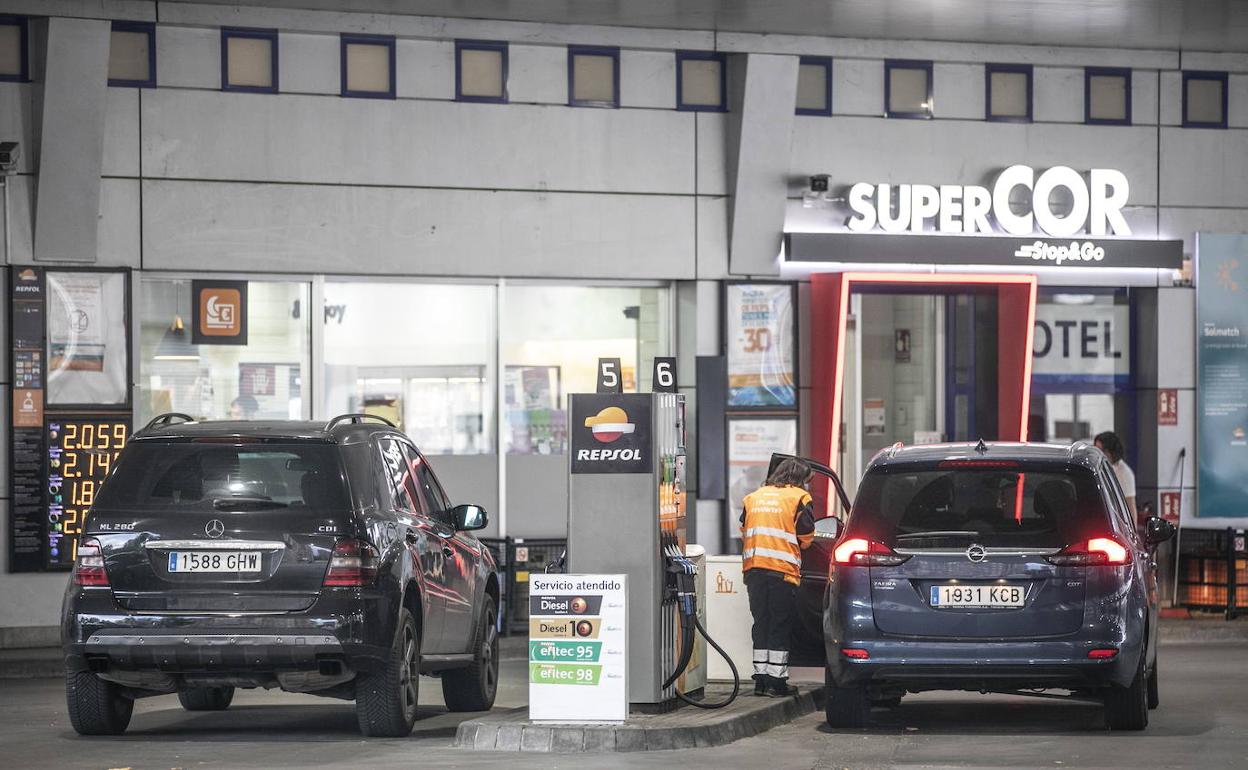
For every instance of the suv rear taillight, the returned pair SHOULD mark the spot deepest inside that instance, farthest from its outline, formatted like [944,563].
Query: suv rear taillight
[354,563]
[1099,551]
[89,566]
[860,552]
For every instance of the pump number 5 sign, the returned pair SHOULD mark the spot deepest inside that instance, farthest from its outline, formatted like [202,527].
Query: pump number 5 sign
[578,662]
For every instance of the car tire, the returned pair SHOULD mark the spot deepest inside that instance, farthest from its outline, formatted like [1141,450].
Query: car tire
[845,706]
[1154,691]
[96,707]
[474,688]
[386,699]
[1126,708]
[888,703]
[206,698]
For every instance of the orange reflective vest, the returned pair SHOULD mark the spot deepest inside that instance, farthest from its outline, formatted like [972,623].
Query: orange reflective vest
[769,536]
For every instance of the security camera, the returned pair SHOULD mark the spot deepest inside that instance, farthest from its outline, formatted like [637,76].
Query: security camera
[9,153]
[817,194]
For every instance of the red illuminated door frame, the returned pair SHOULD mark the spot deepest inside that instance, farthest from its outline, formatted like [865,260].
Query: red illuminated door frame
[830,295]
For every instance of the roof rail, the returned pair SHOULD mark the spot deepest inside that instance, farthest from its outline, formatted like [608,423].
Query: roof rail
[357,418]
[161,420]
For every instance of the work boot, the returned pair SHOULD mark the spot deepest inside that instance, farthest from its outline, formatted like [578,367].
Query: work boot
[779,688]
[760,684]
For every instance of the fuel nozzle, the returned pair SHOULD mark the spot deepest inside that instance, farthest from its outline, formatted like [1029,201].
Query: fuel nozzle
[681,573]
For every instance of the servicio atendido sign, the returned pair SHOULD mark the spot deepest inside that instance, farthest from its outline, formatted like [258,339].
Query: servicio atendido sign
[1095,206]
[578,648]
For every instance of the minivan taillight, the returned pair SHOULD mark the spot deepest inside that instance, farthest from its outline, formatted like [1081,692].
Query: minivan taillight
[89,566]
[860,552]
[354,563]
[1096,552]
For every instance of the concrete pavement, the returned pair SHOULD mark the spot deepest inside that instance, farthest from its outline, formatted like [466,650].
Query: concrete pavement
[1202,722]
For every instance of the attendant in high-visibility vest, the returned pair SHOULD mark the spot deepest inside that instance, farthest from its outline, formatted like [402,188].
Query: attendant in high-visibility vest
[777,523]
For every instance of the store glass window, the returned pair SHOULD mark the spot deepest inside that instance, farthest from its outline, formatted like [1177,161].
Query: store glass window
[908,89]
[1081,366]
[593,76]
[249,60]
[480,71]
[368,66]
[132,54]
[814,86]
[1204,99]
[551,340]
[1107,97]
[419,355]
[1009,92]
[264,379]
[13,58]
[701,81]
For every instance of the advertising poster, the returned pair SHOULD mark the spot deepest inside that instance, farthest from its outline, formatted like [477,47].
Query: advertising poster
[88,360]
[578,638]
[751,443]
[1222,376]
[760,345]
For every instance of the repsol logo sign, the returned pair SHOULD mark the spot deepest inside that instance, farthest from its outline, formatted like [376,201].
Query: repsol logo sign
[608,454]
[1093,204]
[610,433]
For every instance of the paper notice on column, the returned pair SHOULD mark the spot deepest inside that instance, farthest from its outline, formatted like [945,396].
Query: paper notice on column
[578,662]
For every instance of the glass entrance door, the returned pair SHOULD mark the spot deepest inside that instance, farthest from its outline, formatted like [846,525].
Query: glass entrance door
[893,385]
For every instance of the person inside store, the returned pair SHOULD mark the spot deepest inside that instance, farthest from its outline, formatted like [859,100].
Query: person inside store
[777,522]
[1109,443]
[244,407]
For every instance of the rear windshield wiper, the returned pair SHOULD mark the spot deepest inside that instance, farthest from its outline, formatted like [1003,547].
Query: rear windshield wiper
[245,503]
[938,533]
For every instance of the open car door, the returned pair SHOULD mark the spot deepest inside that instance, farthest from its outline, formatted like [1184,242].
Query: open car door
[831,508]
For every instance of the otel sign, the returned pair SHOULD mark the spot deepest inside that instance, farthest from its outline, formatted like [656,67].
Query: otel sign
[1095,207]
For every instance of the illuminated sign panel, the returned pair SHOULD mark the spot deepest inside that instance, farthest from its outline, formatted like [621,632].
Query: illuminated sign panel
[1094,205]
[81,452]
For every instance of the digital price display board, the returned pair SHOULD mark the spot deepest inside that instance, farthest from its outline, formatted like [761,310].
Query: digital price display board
[81,452]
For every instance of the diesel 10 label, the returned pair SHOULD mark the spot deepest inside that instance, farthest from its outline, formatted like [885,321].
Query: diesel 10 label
[577,648]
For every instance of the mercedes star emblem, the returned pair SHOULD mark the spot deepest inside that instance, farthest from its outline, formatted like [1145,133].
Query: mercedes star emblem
[214,528]
[976,553]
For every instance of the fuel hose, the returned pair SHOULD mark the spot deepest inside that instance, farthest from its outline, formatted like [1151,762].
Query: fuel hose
[686,653]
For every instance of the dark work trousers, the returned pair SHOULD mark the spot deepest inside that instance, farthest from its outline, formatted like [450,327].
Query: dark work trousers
[773,603]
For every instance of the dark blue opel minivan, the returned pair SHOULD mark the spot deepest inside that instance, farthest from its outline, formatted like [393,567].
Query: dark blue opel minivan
[989,567]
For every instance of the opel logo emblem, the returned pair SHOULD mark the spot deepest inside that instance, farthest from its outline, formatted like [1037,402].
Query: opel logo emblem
[214,528]
[976,553]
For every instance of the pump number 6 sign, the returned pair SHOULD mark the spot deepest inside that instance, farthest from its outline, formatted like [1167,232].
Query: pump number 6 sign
[664,380]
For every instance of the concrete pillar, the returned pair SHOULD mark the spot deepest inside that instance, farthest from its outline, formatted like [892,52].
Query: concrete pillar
[759,137]
[71,138]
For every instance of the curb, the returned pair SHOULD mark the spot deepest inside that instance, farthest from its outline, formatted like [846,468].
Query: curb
[511,731]
[32,666]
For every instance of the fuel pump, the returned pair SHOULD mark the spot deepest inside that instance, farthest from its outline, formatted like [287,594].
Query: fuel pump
[626,514]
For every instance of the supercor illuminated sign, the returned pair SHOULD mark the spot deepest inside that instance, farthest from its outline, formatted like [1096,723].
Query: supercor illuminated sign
[1095,205]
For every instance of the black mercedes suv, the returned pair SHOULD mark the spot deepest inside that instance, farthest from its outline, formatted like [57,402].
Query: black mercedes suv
[320,558]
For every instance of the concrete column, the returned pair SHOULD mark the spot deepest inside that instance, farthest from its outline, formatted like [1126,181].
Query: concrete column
[75,79]
[759,137]
[1166,358]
